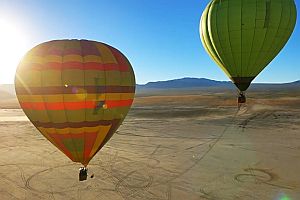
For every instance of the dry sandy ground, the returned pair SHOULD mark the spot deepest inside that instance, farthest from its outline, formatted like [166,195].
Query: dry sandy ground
[169,147]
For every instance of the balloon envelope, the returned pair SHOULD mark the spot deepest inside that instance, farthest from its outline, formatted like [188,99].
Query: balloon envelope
[76,93]
[243,36]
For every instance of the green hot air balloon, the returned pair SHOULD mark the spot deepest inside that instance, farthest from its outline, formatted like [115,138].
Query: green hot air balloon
[244,36]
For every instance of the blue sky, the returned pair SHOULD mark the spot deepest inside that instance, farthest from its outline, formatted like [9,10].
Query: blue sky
[159,37]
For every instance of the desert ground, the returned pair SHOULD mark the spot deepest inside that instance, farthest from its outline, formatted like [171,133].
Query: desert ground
[173,145]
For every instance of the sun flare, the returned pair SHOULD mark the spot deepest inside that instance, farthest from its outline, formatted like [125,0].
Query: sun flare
[13,46]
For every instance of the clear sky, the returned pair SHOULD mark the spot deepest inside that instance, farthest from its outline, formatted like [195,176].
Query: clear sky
[159,37]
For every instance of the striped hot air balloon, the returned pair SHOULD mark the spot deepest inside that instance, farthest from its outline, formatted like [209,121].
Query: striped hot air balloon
[76,93]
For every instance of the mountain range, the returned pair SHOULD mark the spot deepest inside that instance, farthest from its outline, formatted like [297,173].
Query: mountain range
[8,91]
[207,83]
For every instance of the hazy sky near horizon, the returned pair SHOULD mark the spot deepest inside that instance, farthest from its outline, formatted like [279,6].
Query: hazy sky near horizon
[159,37]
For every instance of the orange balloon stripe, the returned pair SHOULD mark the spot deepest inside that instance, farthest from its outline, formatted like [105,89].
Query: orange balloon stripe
[118,103]
[73,105]
[89,141]
[76,65]
[69,90]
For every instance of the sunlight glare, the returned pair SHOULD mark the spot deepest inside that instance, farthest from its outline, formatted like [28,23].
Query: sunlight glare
[13,46]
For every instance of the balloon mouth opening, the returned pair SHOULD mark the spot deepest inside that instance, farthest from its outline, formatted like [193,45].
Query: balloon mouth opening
[85,165]
[242,83]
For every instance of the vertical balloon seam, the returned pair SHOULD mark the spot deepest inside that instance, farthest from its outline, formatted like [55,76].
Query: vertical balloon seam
[86,134]
[279,44]
[116,122]
[89,156]
[253,36]
[115,116]
[259,44]
[255,70]
[241,38]
[210,52]
[42,95]
[231,50]
[227,63]
[122,90]
[246,35]
[249,68]
[288,28]
[294,17]
[213,19]
[45,104]
[92,153]
[80,140]
[97,98]
[84,129]
[104,110]
[272,54]
[259,53]
[207,36]
[104,99]
[268,19]
[238,54]
[43,101]
[83,73]
[230,65]
[211,39]
[112,126]
[265,60]
[64,106]
[269,57]
[75,159]
[206,39]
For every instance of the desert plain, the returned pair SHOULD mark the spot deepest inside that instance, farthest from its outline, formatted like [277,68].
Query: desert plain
[173,145]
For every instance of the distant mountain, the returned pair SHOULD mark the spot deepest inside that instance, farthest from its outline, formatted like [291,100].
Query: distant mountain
[8,90]
[295,83]
[206,83]
[184,83]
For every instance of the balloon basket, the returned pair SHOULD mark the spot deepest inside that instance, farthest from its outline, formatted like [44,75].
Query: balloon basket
[82,174]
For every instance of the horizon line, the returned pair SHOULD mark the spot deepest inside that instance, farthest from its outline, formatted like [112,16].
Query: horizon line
[228,80]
